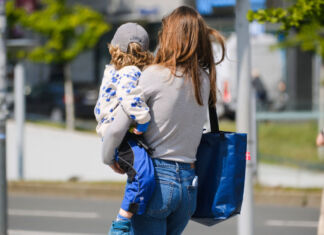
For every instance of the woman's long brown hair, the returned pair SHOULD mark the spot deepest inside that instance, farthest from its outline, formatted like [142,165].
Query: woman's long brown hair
[185,43]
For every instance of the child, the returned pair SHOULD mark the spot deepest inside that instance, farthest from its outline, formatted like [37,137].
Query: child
[129,54]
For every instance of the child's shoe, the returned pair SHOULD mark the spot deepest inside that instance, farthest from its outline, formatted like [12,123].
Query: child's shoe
[120,227]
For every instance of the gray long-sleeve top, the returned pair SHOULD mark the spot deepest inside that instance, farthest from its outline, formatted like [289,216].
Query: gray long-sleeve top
[176,118]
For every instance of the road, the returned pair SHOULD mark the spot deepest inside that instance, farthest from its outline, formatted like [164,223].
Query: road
[45,215]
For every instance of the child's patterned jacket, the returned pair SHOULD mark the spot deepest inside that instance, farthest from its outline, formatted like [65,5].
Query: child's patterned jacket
[119,87]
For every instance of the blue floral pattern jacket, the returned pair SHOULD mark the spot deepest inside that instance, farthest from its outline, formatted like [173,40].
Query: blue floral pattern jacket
[119,87]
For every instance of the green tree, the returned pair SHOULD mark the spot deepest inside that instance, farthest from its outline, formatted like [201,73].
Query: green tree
[305,18]
[67,30]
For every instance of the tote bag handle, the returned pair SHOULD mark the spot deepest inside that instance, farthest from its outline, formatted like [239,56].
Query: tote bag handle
[213,119]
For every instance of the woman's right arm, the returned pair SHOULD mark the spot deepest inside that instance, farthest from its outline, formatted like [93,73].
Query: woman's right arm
[114,135]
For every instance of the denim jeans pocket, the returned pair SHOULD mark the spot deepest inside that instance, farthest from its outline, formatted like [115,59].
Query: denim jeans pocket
[192,199]
[159,205]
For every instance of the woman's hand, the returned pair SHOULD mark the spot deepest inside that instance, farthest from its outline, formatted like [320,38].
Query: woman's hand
[116,168]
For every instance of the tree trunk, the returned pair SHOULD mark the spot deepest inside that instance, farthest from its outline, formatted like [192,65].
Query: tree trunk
[69,98]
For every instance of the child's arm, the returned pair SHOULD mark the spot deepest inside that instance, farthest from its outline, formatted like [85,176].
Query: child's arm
[131,97]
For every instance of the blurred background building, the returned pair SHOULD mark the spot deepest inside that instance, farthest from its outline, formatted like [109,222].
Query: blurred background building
[283,80]
[284,77]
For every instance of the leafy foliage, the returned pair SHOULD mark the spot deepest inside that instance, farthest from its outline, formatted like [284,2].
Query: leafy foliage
[68,30]
[305,17]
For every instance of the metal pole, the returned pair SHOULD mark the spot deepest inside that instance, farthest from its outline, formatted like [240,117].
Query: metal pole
[319,97]
[244,119]
[254,143]
[3,117]
[20,116]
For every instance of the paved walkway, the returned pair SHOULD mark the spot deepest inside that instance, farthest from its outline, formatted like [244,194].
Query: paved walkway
[56,154]
[274,175]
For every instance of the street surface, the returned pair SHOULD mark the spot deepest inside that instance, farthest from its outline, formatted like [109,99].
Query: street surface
[45,215]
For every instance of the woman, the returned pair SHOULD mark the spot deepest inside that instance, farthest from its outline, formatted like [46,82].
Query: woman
[177,88]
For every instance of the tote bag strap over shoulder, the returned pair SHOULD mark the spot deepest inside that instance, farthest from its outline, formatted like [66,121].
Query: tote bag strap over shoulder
[213,119]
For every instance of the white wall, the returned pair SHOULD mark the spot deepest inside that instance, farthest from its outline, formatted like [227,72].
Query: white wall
[57,154]
[269,63]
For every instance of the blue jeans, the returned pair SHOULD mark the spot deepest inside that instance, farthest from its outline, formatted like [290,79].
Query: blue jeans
[173,201]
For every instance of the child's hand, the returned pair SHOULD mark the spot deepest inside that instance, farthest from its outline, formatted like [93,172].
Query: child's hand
[137,132]
[140,128]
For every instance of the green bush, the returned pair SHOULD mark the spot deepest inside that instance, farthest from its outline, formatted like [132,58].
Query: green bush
[286,143]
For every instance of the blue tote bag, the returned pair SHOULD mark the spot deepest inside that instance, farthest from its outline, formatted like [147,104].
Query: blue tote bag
[220,168]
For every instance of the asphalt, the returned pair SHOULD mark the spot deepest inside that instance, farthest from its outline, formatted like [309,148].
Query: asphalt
[48,215]
[274,186]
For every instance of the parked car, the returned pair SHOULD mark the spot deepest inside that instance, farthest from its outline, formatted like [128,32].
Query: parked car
[48,99]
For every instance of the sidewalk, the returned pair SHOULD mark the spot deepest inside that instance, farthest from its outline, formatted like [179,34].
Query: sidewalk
[53,154]
[274,175]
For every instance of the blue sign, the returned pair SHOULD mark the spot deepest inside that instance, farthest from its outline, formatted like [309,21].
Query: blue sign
[205,7]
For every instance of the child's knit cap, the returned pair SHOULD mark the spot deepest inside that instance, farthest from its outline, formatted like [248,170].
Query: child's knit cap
[130,32]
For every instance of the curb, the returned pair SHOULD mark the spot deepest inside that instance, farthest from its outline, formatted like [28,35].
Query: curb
[69,189]
[110,190]
[301,199]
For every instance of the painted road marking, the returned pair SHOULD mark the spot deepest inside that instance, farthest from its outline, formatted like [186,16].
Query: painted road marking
[27,232]
[292,223]
[62,214]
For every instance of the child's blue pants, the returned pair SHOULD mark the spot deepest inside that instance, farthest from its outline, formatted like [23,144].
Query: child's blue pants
[135,161]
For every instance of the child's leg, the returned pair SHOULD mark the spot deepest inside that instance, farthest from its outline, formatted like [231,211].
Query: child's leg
[124,157]
[140,184]
[139,189]
[122,224]
[124,214]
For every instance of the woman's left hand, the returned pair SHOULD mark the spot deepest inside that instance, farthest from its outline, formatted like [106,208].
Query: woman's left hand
[116,168]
